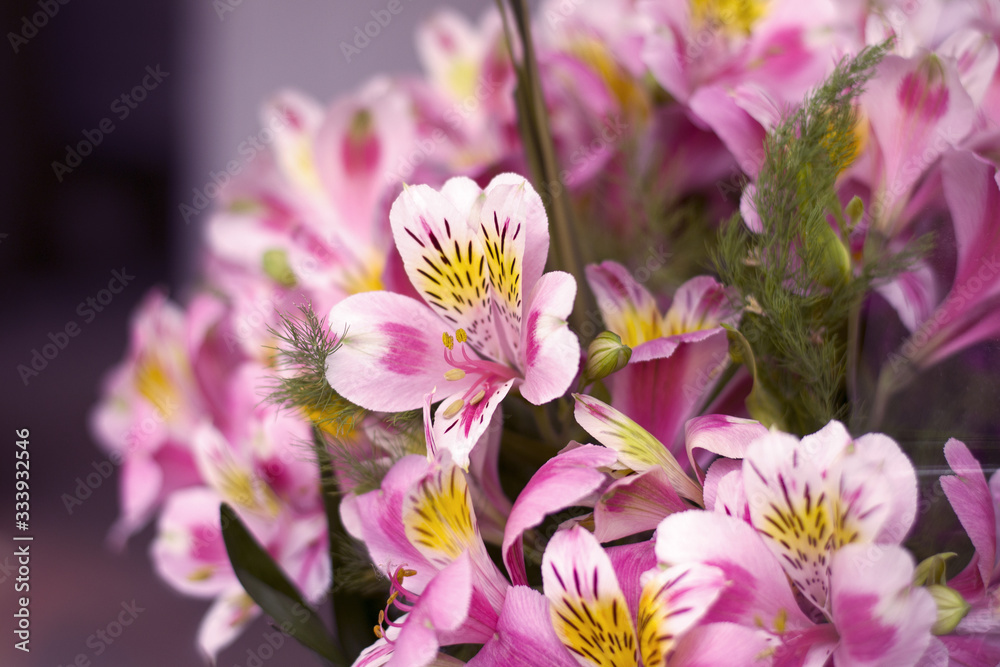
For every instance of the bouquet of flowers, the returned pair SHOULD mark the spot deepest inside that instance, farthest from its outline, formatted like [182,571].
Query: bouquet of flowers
[597,344]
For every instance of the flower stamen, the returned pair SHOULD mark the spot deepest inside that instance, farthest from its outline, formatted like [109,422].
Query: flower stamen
[453,409]
[395,600]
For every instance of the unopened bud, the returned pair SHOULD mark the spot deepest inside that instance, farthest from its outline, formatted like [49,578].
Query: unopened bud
[932,571]
[835,268]
[276,266]
[607,354]
[855,210]
[951,608]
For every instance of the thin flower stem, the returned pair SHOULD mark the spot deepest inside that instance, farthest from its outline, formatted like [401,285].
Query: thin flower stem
[350,627]
[537,139]
[545,426]
[893,377]
[853,358]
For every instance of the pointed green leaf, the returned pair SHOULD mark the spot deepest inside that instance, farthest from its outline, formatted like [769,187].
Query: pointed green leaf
[268,586]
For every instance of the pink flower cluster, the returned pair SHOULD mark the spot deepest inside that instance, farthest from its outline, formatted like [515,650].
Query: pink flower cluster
[399,210]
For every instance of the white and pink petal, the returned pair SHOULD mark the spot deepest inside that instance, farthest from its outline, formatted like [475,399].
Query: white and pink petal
[550,350]
[391,353]
[881,617]
[567,479]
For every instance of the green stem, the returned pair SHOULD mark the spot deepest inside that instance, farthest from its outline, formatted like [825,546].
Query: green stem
[545,425]
[853,357]
[350,628]
[537,139]
[893,377]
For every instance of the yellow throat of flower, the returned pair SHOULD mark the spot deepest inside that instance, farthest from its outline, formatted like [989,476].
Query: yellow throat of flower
[629,94]
[153,384]
[732,17]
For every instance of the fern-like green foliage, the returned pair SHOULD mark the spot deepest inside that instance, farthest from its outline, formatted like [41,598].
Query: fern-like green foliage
[304,344]
[796,278]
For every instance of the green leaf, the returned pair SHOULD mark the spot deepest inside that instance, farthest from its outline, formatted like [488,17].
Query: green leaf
[268,586]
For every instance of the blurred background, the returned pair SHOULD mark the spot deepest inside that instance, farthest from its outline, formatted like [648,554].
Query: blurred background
[127,159]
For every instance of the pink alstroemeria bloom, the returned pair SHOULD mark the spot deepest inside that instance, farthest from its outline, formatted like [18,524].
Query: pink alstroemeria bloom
[632,483]
[151,403]
[305,214]
[831,512]
[976,639]
[969,313]
[625,616]
[737,66]
[875,615]
[675,356]
[657,484]
[810,497]
[476,258]
[420,528]
[917,108]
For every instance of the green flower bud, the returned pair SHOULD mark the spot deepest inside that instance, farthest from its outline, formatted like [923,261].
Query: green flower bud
[835,267]
[607,354]
[855,210]
[276,266]
[951,608]
[931,571]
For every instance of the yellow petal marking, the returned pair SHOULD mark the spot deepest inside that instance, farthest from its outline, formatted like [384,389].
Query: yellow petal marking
[438,517]
[598,630]
[735,17]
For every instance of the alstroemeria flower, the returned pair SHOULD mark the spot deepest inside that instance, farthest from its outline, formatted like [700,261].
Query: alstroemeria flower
[632,482]
[675,355]
[968,314]
[917,108]
[594,618]
[976,639]
[831,511]
[420,528]
[489,319]
[638,501]
[876,617]
[738,65]
[153,400]
[305,213]
[810,497]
